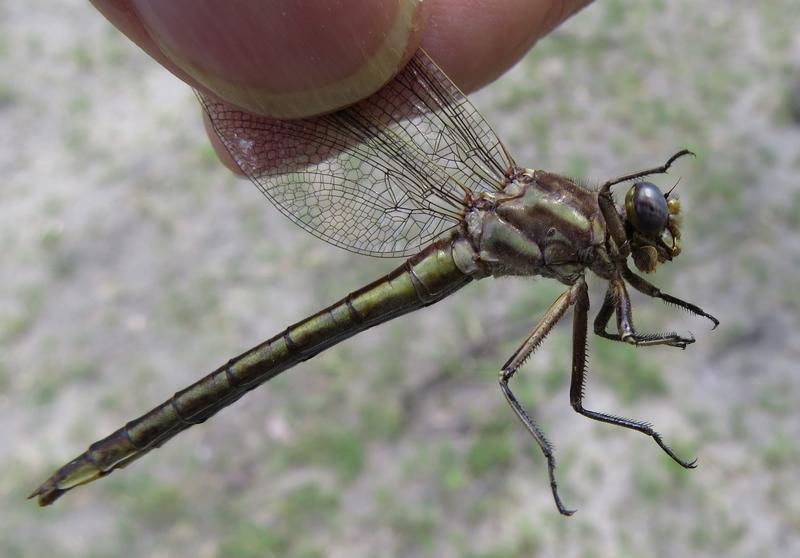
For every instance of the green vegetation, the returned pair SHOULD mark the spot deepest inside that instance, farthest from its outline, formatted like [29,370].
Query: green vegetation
[158,504]
[249,540]
[629,372]
[490,452]
[341,450]
[306,506]
[781,452]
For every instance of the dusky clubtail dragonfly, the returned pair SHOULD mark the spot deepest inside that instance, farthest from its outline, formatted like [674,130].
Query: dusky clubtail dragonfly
[414,171]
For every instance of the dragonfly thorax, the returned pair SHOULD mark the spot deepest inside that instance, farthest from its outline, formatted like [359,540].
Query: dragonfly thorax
[540,224]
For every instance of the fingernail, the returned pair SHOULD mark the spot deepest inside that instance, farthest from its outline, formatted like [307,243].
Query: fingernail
[282,58]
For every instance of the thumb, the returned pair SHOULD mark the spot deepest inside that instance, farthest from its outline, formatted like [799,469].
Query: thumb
[278,58]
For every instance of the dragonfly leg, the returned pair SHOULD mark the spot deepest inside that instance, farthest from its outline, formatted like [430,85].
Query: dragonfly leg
[534,339]
[645,287]
[578,382]
[641,174]
[617,299]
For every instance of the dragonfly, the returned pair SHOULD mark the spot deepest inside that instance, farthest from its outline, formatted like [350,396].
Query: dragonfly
[415,171]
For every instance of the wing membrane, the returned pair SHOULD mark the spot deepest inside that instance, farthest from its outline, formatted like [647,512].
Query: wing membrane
[383,177]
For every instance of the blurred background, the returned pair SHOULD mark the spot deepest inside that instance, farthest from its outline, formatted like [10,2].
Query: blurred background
[132,264]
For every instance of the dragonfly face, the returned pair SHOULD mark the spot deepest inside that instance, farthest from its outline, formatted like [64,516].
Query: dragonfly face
[652,223]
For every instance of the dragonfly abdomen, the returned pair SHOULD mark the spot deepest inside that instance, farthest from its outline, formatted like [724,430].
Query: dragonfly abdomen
[422,280]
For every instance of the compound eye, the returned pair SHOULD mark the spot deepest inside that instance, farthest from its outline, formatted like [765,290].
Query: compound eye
[646,208]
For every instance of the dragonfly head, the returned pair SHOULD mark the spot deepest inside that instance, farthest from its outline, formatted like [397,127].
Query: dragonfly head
[652,223]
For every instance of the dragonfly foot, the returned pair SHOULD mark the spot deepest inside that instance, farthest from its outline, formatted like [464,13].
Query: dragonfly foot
[685,464]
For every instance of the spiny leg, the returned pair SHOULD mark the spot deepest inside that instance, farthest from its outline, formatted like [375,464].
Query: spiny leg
[604,316]
[534,339]
[577,384]
[617,299]
[645,287]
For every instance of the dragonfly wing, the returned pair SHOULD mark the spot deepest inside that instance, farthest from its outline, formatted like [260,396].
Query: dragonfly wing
[383,177]
[446,126]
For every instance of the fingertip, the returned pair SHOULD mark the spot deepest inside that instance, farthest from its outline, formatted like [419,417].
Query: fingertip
[285,59]
[123,15]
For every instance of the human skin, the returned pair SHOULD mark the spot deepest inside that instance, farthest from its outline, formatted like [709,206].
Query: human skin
[298,58]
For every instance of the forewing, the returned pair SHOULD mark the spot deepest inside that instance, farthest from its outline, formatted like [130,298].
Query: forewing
[383,177]
[447,128]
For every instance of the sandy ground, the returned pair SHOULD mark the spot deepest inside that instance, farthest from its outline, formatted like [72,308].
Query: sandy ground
[131,264]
